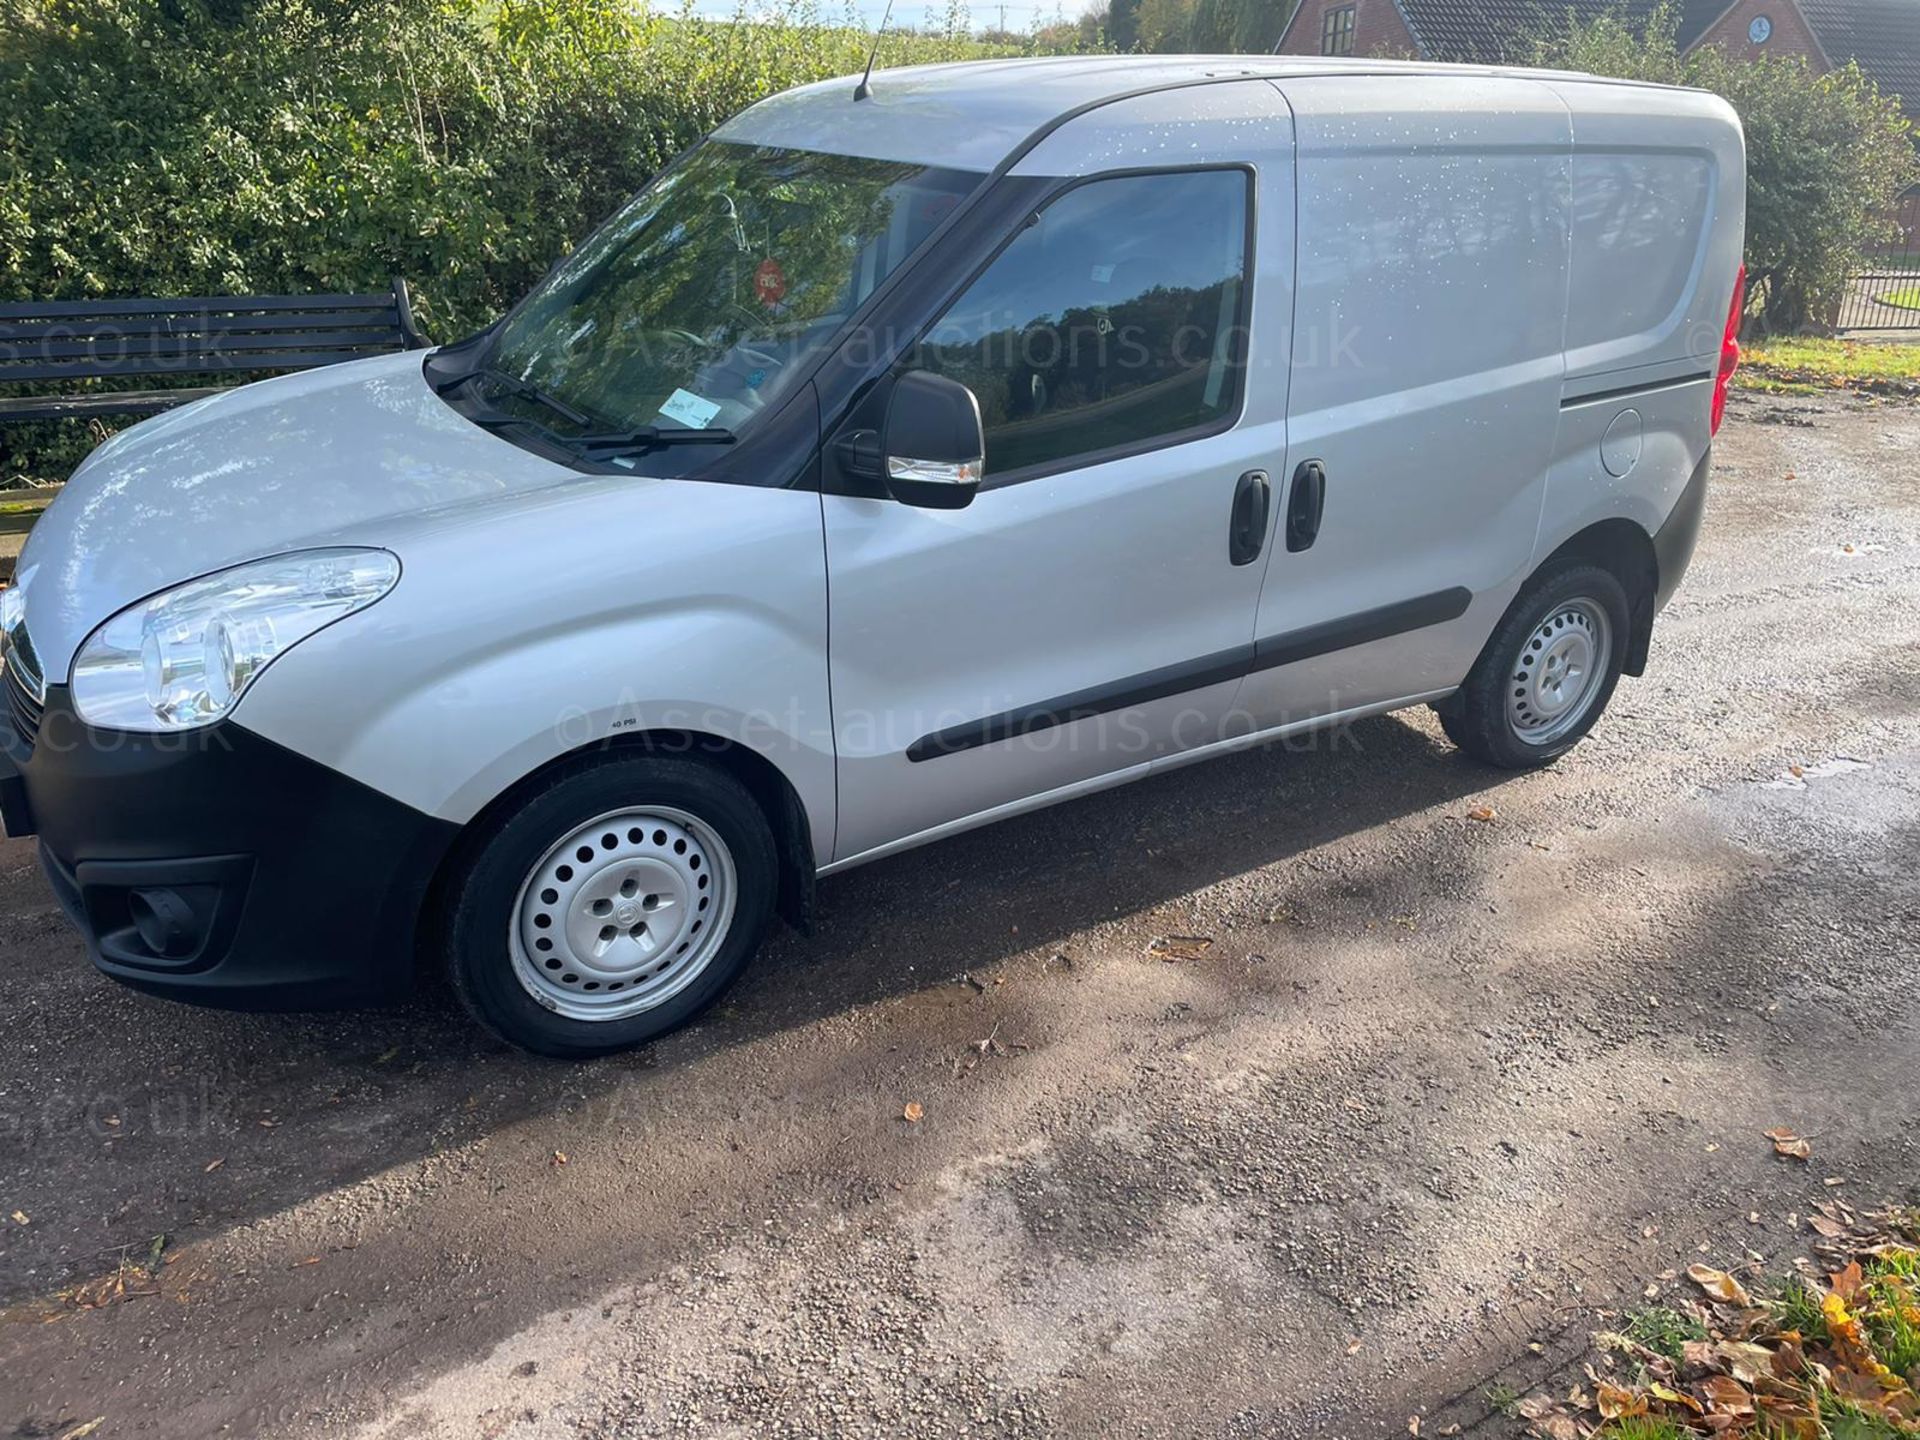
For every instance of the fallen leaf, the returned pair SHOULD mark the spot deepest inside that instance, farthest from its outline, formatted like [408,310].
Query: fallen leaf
[20,1217]
[1785,1142]
[1413,1425]
[1179,947]
[80,1432]
[1846,1283]
[1617,1402]
[1745,1361]
[1720,1285]
[914,1113]
[1726,1395]
[301,1264]
[559,1157]
[1485,814]
[1675,1397]
[213,1165]
[1832,1229]
[1354,1348]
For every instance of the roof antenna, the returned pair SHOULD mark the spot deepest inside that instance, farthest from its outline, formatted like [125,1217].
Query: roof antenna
[865,88]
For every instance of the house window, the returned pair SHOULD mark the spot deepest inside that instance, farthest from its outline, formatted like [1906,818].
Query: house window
[1336,31]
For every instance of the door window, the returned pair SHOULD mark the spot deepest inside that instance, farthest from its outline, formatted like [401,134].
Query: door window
[1112,322]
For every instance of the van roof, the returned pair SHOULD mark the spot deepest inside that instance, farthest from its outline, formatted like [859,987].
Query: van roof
[973,114]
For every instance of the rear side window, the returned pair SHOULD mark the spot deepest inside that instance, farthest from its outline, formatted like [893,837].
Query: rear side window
[1637,223]
[1110,323]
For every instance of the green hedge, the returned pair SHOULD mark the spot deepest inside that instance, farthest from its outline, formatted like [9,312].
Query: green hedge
[1828,157]
[187,147]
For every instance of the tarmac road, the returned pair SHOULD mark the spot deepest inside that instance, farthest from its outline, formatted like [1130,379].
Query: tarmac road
[1436,1089]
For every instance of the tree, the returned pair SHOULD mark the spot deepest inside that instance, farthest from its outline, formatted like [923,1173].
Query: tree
[1827,155]
[1163,26]
[1257,25]
[1210,31]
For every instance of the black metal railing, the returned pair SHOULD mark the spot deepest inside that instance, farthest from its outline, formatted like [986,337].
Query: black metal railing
[1886,294]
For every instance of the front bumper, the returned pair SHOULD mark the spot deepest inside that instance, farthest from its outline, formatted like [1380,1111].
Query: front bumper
[217,867]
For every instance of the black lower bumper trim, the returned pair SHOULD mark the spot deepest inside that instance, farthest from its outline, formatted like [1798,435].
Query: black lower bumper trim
[1673,542]
[218,867]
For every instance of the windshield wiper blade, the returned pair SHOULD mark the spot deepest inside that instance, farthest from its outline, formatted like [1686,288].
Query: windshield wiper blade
[646,437]
[526,390]
[612,446]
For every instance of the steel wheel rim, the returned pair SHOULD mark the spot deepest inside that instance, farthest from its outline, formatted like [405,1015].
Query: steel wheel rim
[1561,667]
[623,913]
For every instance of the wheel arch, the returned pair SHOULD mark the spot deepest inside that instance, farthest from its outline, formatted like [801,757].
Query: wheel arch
[1624,548]
[764,781]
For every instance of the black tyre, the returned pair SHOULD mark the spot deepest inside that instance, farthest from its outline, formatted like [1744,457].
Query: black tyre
[1547,672]
[614,903]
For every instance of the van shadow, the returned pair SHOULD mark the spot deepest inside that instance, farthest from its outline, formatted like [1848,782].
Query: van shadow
[124,1118]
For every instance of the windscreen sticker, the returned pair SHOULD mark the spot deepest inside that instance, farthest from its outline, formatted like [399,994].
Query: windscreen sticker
[1103,274]
[689,409]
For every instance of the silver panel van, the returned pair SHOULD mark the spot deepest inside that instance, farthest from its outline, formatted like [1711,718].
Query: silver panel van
[903,457]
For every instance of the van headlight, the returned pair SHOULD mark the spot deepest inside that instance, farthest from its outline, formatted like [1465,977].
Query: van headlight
[184,657]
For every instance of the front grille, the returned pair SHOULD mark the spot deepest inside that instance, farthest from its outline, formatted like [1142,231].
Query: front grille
[26,695]
[26,710]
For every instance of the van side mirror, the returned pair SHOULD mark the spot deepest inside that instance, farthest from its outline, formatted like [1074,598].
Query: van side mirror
[933,447]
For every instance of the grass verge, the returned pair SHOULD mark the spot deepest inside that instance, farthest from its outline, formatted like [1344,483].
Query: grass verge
[1805,365]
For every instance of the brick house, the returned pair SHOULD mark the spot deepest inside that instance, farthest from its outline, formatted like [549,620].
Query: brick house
[1483,31]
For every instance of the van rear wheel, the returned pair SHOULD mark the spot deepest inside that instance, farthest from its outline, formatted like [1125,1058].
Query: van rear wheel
[614,904]
[1547,672]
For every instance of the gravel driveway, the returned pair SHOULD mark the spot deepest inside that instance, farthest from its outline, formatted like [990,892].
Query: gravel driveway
[1433,1089]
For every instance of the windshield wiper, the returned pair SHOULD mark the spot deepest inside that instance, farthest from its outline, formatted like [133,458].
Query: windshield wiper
[613,446]
[526,390]
[646,437]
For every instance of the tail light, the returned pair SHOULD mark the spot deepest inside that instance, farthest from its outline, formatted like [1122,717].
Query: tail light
[1729,351]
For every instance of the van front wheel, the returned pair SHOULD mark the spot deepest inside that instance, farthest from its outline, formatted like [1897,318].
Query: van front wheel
[1547,672]
[612,905]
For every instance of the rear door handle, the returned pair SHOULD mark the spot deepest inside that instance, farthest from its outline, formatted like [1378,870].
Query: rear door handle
[1306,499]
[1247,530]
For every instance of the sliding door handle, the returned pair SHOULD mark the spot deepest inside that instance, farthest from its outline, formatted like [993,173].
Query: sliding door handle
[1247,529]
[1306,500]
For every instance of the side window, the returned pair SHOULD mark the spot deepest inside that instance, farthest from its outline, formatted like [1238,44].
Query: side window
[1112,320]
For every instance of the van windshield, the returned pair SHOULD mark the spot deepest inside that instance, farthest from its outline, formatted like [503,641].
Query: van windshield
[700,302]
